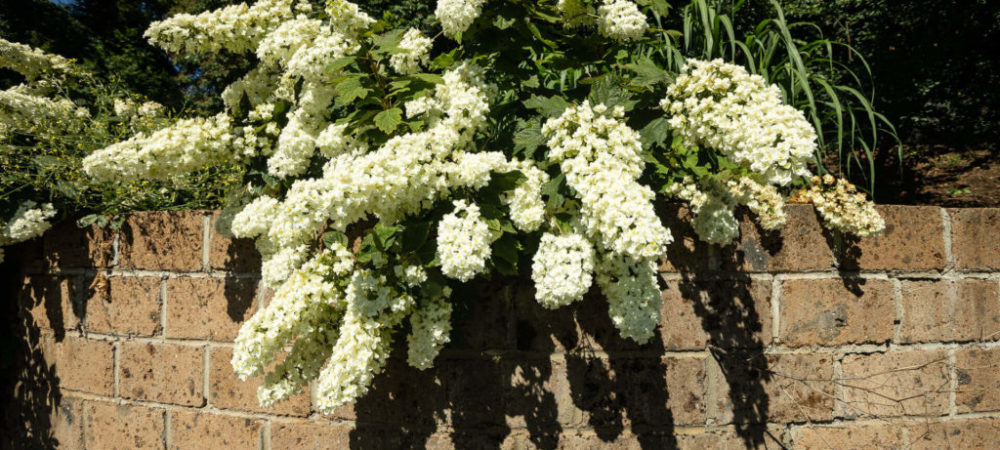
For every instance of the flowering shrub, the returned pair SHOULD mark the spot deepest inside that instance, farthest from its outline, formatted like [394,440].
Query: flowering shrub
[383,166]
[54,116]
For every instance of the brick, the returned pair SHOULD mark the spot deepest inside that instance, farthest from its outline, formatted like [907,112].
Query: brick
[913,239]
[727,313]
[955,434]
[946,310]
[476,402]
[80,364]
[194,430]
[208,308]
[232,255]
[686,253]
[878,435]
[167,373]
[978,372]
[974,243]
[228,392]
[801,245]
[411,399]
[306,435]
[115,426]
[600,392]
[826,312]
[779,388]
[582,326]
[49,302]
[128,305]
[896,383]
[763,437]
[67,423]
[162,241]
[67,246]
[977,310]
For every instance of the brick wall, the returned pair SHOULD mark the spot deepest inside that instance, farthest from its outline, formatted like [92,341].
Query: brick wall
[798,338]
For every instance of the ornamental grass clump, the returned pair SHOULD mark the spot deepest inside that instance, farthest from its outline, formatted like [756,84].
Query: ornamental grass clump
[385,166]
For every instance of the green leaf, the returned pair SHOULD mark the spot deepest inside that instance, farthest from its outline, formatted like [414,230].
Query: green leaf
[647,73]
[351,89]
[334,237]
[506,249]
[389,119]
[432,78]
[503,23]
[656,131]
[661,7]
[385,236]
[547,106]
[528,136]
[507,181]
[338,64]
[415,235]
[607,92]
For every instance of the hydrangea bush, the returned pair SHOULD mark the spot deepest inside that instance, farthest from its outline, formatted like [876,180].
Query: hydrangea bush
[385,166]
[54,115]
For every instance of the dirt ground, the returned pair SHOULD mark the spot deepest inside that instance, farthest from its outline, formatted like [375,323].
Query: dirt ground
[942,176]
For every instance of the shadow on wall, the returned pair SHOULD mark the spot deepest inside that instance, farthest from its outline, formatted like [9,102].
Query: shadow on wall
[29,385]
[557,372]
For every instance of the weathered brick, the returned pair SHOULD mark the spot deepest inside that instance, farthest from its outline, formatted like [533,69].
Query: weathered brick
[776,388]
[686,253]
[645,392]
[208,308]
[49,302]
[955,434]
[162,241]
[67,423]
[800,246]
[306,435]
[129,305]
[166,373]
[582,326]
[228,392]
[977,310]
[409,399]
[761,437]
[826,312]
[877,435]
[896,383]
[232,255]
[978,372]
[974,243]
[115,426]
[80,364]
[191,430]
[67,246]
[727,313]
[946,310]
[913,239]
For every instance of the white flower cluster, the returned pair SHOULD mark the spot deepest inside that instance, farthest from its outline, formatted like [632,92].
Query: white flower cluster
[348,18]
[633,294]
[457,15]
[714,220]
[430,330]
[602,160]
[188,145]
[620,20]
[236,28]
[416,48]
[22,110]
[527,211]
[128,109]
[763,200]
[562,269]
[463,242]
[289,314]
[31,62]
[721,106]
[842,207]
[29,221]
